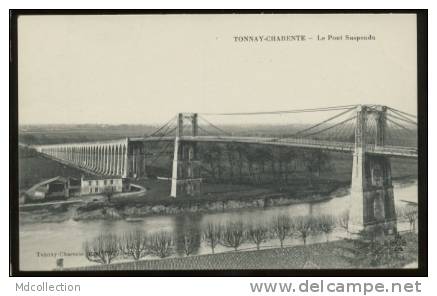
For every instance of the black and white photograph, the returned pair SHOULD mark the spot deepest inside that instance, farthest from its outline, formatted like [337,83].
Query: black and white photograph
[219,142]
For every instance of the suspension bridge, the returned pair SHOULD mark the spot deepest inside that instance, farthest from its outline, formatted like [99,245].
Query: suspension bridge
[371,133]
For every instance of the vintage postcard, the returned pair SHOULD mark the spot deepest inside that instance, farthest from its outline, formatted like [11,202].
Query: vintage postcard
[186,141]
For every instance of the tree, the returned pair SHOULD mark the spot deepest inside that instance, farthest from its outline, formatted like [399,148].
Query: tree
[271,156]
[286,157]
[161,244]
[231,160]
[217,157]
[257,234]
[281,228]
[211,235]
[189,241]
[262,157]
[304,227]
[240,163]
[209,159]
[108,192]
[134,244]
[315,161]
[410,213]
[251,158]
[343,221]
[103,249]
[232,235]
[326,224]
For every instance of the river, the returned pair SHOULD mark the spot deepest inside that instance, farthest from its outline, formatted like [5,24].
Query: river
[42,243]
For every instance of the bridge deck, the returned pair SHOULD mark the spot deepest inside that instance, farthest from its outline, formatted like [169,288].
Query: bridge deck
[409,152]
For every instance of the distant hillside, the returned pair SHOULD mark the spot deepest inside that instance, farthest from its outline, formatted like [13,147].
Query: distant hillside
[51,134]
[33,168]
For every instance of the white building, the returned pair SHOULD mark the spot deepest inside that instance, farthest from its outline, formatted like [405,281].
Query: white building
[95,185]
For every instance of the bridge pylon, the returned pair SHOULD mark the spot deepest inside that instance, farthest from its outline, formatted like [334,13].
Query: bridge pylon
[372,201]
[186,170]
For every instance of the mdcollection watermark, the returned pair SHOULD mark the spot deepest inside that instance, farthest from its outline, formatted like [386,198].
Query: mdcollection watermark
[46,287]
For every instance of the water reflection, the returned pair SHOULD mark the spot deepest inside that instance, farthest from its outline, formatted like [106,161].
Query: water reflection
[190,225]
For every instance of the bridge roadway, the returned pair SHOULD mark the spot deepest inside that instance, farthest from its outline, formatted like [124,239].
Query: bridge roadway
[396,151]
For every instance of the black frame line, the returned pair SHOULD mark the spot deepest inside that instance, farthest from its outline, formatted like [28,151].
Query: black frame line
[422,108]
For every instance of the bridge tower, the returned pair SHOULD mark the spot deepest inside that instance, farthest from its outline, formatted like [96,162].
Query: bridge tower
[186,171]
[135,159]
[372,200]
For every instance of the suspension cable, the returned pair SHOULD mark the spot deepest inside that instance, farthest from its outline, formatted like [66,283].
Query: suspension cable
[160,128]
[331,127]
[319,124]
[399,125]
[402,112]
[214,126]
[333,108]
[402,117]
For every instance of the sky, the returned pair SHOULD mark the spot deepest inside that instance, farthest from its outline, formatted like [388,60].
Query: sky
[143,69]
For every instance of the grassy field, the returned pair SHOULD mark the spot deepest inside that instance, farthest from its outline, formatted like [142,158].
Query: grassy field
[331,255]
[34,168]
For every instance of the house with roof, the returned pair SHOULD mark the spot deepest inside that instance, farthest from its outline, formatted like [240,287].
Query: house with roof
[96,185]
[53,189]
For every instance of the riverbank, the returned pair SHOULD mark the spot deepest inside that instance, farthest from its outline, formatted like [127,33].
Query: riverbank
[122,209]
[329,255]
[134,208]
[144,206]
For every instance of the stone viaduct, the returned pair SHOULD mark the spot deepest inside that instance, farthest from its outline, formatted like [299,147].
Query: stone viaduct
[119,158]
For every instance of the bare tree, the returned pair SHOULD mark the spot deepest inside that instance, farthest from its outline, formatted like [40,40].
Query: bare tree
[326,224]
[281,228]
[343,220]
[315,162]
[304,227]
[212,234]
[231,160]
[233,235]
[409,213]
[103,249]
[134,244]
[189,241]
[108,192]
[240,149]
[161,244]
[257,234]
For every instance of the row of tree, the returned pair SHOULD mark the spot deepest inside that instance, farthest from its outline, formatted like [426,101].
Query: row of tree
[260,164]
[138,244]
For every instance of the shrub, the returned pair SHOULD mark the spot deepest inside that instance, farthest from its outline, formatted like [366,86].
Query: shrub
[376,253]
